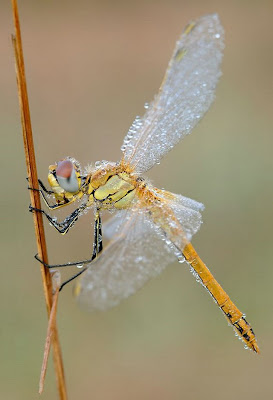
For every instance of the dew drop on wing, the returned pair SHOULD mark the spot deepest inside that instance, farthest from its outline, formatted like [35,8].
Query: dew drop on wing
[139,259]
[181,258]
[79,266]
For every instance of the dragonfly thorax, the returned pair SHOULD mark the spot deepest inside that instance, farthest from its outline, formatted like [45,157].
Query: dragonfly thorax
[112,186]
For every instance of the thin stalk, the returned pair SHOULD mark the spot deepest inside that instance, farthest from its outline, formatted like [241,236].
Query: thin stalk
[34,195]
[50,328]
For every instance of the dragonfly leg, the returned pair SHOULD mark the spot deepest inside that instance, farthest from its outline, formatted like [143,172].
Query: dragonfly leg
[72,278]
[42,186]
[63,226]
[44,191]
[97,248]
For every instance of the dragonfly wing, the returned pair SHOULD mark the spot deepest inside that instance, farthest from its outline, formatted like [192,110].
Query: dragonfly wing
[185,95]
[136,254]
[187,211]
[138,251]
[112,226]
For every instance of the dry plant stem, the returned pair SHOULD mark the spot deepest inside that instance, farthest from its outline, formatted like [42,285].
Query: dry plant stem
[50,328]
[34,195]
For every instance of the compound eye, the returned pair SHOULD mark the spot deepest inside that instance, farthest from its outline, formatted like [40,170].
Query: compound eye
[64,169]
[66,176]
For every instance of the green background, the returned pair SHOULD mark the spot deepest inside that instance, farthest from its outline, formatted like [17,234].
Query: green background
[91,65]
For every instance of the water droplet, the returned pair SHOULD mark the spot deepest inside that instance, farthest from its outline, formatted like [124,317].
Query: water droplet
[79,266]
[146,106]
[181,259]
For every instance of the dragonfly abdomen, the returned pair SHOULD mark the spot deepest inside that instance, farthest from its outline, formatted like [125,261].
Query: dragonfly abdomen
[164,217]
[234,316]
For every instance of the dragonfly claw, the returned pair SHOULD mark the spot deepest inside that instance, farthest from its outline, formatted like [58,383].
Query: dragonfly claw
[30,188]
[40,260]
[31,209]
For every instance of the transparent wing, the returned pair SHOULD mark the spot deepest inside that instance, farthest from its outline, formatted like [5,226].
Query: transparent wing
[186,93]
[186,210]
[112,226]
[137,252]
[134,256]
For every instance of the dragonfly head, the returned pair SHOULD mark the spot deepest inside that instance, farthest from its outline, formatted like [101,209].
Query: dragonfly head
[65,179]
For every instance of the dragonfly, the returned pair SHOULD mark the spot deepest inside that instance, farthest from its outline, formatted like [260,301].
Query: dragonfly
[150,227]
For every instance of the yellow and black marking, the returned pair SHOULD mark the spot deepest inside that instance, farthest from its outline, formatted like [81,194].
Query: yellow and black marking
[189,28]
[182,51]
[117,191]
[234,316]
[110,186]
[180,54]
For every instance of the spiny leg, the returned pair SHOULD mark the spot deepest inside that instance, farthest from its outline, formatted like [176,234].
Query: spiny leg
[43,187]
[97,247]
[44,190]
[63,226]
[98,232]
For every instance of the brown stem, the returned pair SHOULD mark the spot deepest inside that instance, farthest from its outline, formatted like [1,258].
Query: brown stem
[34,195]
[50,329]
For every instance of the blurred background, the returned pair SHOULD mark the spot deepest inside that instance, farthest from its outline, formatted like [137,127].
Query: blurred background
[90,67]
